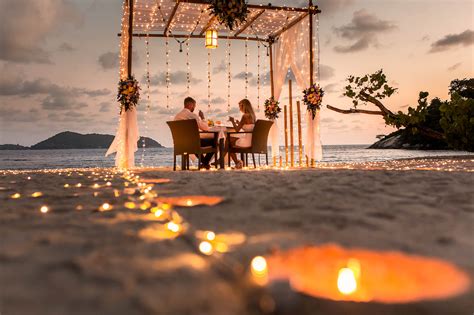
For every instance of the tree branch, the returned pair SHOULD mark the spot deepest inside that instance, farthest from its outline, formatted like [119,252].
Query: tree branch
[354,111]
[377,103]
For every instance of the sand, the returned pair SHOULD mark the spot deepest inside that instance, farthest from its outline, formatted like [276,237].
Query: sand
[77,260]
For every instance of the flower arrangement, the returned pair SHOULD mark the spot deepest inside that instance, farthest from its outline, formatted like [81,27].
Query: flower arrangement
[313,97]
[128,94]
[272,108]
[229,12]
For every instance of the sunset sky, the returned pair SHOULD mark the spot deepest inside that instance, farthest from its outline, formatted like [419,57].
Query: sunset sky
[58,63]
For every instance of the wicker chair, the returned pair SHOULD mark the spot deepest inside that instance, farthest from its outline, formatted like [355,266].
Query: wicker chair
[186,141]
[259,142]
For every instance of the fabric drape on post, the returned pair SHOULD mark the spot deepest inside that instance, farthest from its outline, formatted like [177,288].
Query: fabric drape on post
[127,136]
[292,51]
[281,60]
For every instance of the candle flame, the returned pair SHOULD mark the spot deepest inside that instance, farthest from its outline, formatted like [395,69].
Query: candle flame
[346,281]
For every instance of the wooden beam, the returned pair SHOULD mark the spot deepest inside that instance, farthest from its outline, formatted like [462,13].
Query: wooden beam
[209,24]
[287,27]
[159,35]
[130,37]
[249,22]
[255,6]
[170,20]
[272,85]
[311,54]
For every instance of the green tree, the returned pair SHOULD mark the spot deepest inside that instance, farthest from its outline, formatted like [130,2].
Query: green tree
[457,116]
[372,88]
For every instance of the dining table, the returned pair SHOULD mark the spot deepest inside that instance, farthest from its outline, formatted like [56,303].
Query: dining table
[220,132]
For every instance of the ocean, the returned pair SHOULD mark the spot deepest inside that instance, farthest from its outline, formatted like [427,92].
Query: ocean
[49,159]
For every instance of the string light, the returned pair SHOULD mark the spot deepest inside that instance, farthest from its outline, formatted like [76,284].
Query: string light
[188,71]
[229,74]
[258,75]
[246,68]
[168,81]
[44,209]
[209,79]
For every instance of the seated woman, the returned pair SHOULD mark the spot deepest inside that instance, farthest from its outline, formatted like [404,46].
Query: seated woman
[246,123]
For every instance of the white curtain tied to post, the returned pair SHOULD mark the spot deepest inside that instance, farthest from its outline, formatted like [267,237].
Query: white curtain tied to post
[126,139]
[292,51]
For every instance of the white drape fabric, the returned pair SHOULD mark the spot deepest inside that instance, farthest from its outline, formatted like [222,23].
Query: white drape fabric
[127,136]
[126,140]
[291,51]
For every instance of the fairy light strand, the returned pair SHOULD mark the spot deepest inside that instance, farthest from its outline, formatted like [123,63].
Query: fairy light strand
[246,67]
[209,79]
[188,70]
[229,74]
[168,79]
[258,75]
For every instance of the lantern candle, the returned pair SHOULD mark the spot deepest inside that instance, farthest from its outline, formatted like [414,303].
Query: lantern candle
[300,139]
[211,39]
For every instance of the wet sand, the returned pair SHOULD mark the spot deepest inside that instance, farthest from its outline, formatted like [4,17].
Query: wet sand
[77,260]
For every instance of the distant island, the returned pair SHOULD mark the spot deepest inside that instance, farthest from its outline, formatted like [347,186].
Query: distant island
[74,140]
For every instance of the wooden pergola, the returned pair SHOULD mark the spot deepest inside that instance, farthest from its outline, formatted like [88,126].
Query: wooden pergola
[191,19]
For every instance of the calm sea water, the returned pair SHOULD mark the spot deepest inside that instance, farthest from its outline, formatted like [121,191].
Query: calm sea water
[40,159]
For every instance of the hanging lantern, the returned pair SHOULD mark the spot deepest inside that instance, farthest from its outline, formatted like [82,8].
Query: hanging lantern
[211,39]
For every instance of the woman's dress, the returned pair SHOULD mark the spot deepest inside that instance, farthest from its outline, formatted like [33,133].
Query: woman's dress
[245,139]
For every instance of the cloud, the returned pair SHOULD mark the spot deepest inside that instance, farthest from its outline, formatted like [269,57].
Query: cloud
[364,29]
[455,66]
[220,68]
[25,26]
[331,88]
[465,39]
[54,95]
[241,75]
[105,107]
[177,77]
[110,60]
[66,47]
[326,72]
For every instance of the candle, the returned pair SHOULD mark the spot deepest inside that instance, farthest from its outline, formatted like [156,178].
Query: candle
[286,135]
[300,139]
[292,144]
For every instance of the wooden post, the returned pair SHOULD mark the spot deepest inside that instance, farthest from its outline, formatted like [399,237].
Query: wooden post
[286,135]
[300,139]
[130,37]
[311,55]
[272,85]
[292,143]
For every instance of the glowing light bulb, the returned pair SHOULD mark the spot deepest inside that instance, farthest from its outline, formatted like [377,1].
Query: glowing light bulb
[79,185]
[206,248]
[189,202]
[15,196]
[105,207]
[346,281]
[108,184]
[211,236]
[158,213]
[130,205]
[66,185]
[44,209]
[36,194]
[173,227]
[259,266]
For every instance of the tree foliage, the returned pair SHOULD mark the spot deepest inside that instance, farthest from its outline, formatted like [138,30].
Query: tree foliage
[457,116]
[451,121]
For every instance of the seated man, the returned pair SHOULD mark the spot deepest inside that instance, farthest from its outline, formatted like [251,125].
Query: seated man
[188,113]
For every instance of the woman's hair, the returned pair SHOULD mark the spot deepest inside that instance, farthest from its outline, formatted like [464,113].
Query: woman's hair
[247,108]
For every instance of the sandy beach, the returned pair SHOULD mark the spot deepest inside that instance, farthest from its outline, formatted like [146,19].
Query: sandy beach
[74,259]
